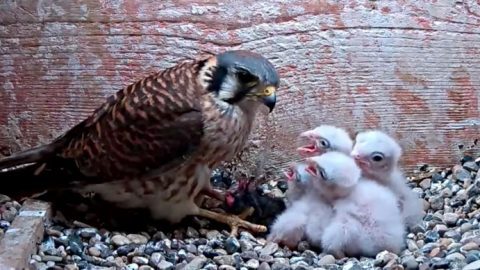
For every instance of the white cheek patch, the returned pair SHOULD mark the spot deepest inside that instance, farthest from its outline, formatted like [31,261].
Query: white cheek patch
[228,88]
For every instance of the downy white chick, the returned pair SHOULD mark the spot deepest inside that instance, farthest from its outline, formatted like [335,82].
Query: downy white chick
[322,139]
[306,198]
[325,138]
[378,156]
[289,227]
[297,180]
[366,219]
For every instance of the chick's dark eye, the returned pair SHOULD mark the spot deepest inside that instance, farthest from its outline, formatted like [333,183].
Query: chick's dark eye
[324,143]
[377,157]
[322,174]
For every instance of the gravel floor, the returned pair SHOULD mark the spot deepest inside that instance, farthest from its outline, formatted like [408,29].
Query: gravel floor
[449,238]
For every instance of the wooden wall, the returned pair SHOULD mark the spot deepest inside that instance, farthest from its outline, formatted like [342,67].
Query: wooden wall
[411,68]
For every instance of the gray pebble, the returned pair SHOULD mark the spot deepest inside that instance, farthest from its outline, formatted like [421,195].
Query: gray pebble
[265,258]
[164,265]
[471,166]
[252,264]
[327,259]
[269,248]
[431,236]
[145,267]
[213,234]
[94,251]
[210,266]
[411,245]
[440,263]
[132,266]
[295,259]
[120,240]
[47,258]
[183,266]
[441,228]
[226,267]
[300,266]
[264,266]
[473,190]
[461,174]
[453,234]
[427,248]
[156,258]
[245,244]
[282,260]
[70,267]
[196,263]
[88,232]
[140,260]
[125,249]
[351,265]
[455,256]
[473,255]
[465,227]
[436,202]
[469,246]
[450,219]
[137,239]
[425,183]
[191,248]
[409,262]
[232,245]
[225,259]
[249,255]
[280,266]
[384,257]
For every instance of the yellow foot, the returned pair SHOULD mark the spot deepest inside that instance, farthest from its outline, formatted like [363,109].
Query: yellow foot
[234,221]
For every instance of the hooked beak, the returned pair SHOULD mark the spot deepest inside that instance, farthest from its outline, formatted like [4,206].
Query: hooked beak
[271,99]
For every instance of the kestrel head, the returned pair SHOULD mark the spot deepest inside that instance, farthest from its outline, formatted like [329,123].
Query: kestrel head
[376,153]
[325,138]
[235,76]
[333,174]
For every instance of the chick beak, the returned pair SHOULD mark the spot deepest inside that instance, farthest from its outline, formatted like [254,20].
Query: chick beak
[361,162]
[311,168]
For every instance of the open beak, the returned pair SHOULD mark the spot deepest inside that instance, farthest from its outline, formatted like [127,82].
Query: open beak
[311,147]
[289,173]
[308,149]
[311,168]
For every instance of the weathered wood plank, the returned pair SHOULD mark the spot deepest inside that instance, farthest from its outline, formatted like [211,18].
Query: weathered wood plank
[21,239]
[409,67]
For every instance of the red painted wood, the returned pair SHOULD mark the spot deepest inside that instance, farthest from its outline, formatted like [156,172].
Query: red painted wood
[408,67]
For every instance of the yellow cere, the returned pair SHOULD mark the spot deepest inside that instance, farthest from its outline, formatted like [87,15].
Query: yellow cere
[269,90]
